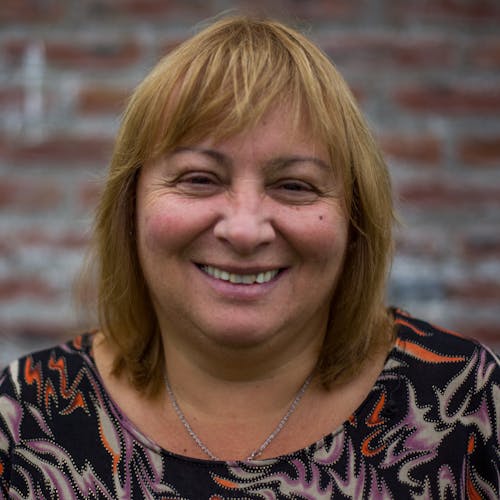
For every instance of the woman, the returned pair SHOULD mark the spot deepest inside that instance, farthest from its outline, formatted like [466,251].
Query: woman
[242,244]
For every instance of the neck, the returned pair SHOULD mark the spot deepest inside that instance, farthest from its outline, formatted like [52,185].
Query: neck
[261,388]
[252,411]
[257,452]
[195,359]
[239,352]
[227,383]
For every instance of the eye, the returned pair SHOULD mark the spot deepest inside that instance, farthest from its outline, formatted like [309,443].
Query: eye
[200,179]
[295,186]
[294,191]
[199,183]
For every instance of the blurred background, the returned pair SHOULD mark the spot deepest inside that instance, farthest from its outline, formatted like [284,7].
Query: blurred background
[425,72]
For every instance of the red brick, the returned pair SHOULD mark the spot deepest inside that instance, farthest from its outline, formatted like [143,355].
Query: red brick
[15,49]
[481,246]
[417,246]
[79,54]
[99,99]
[32,10]
[56,150]
[488,333]
[168,45]
[380,50]
[73,240]
[192,12]
[474,291]
[148,9]
[440,194]
[53,331]
[41,237]
[340,10]
[11,96]
[480,151]
[443,11]
[485,53]
[26,195]
[422,149]
[88,195]
[358,93]
[446,99]
[32,288]
[98,55]
[6,247]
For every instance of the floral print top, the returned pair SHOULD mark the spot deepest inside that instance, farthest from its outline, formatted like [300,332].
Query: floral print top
[428,429]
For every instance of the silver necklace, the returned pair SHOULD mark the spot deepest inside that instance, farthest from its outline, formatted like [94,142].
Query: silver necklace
[256,453]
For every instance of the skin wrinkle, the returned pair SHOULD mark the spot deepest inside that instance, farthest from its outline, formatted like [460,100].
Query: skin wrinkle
[274,163]
[272,168]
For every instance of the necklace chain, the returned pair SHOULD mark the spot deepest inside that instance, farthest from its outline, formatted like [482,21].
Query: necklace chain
[257,452]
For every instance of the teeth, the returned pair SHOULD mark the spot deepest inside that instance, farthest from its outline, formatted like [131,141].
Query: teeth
[246,279]
[236,278]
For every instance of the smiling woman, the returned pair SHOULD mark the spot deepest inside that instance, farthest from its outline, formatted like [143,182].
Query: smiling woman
[244,348]
[217,87]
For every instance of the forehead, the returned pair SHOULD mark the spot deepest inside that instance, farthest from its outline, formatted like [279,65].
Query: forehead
[277,129]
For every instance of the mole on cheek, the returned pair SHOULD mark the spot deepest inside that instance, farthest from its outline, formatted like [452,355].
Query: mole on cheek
[320,217]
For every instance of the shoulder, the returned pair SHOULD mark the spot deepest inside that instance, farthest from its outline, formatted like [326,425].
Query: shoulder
[448,385]
[34,372]
[456,374]
[433,345]
[54,417]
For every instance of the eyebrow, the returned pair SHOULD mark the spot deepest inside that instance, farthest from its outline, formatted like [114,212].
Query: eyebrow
[280,161]
[213,153]
[284,161]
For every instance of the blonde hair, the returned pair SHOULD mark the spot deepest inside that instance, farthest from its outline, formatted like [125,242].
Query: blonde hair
[220,82]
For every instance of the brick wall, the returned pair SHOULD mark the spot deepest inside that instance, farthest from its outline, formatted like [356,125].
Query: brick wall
[427,74]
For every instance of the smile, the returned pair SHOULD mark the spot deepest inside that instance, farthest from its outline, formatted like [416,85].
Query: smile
[244,279]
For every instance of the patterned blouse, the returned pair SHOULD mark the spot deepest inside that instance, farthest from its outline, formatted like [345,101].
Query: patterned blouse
[429,429]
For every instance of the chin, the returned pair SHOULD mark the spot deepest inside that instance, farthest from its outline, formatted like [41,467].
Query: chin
[241,338]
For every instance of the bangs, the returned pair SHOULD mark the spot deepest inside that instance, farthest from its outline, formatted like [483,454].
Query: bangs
[224,83]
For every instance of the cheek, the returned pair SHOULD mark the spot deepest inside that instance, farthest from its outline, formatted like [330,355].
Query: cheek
[169,227]
[158,232]
[326,236]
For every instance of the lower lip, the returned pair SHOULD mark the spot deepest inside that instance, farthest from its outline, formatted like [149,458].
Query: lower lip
[239,291]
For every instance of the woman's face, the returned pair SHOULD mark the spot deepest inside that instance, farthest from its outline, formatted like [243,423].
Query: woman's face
[241,242]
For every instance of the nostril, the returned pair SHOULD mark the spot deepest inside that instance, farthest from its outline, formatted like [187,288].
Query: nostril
[244,231]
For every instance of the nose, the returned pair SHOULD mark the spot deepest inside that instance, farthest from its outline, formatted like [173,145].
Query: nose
[246,224]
